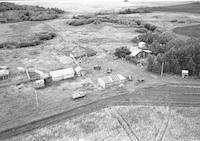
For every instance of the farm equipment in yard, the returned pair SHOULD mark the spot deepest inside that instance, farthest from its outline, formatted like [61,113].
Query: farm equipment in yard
[97,67]
[139,81]
[78,95]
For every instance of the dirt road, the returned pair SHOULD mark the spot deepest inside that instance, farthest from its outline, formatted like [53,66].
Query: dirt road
[162,95]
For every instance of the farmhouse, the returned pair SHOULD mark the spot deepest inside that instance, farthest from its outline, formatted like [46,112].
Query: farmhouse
[62,74]
[111,80]
[139,53]
[141,45]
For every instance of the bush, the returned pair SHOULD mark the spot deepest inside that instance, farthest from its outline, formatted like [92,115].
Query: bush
[150,27]
[79,22]
[122,52]
[181,21]
[174,21]
[132,11]
[138,22]
[132,59]
[141,30]
[59,11]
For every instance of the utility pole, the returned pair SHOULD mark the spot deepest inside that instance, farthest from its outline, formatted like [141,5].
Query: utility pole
[162,69]
[36,98]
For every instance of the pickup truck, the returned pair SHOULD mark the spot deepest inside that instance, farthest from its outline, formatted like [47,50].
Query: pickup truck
[78,95]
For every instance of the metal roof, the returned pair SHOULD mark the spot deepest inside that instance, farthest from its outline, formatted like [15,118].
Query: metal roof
[62,72]
[113,78]
[4,73]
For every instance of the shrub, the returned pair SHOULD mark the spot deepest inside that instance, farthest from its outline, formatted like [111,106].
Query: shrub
[59,11]
[141,30]
[79,22]
[150,27]
[181,21]
[122,52]
[132,59]
[132,11]
[174,21]
[138,22]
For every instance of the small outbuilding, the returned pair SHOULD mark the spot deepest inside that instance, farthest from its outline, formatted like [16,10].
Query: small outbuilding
[62,74]
[185,73]
[111,80]
[39,84]
[141,45]
[4,74]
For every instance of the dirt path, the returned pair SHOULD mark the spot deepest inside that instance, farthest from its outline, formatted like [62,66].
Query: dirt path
[150,96]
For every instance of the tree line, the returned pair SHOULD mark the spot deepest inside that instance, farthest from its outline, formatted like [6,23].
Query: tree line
[176,54]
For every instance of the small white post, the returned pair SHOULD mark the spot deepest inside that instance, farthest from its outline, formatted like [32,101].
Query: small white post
[27,74]
[36,98]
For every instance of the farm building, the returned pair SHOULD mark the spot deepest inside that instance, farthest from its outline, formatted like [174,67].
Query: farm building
[139,53]
[111,80]
[185,73]
[4,74]
[62,74]
[39,84]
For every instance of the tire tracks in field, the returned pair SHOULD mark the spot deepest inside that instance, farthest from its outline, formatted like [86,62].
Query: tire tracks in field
[164,127]
[125,125]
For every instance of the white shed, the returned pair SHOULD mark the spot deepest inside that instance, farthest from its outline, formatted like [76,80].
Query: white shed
[62,74]
[39,84]
[185,73]
[141,45]
[111,80]
[4,74]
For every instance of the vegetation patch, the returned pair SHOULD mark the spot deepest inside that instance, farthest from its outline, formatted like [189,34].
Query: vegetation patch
[133,11]
[37,39]
[123,52]
[176,54]
[187,8]
[84,19]
[10,12]
[191,31]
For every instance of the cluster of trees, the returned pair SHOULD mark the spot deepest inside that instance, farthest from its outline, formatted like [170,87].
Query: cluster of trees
[123,52]
[133,11]
[175,54]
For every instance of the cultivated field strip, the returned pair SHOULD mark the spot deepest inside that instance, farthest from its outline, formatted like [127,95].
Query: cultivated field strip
[120,97]
[163,128]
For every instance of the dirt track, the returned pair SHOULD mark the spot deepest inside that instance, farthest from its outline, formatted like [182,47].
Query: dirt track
[162,95]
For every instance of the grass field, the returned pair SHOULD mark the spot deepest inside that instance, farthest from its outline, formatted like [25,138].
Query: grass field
[145,123]
[191,31]
[187,8]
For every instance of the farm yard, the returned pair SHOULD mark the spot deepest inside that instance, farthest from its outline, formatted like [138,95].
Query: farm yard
[148,107]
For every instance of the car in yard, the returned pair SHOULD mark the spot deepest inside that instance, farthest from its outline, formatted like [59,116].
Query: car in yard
[79,95]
